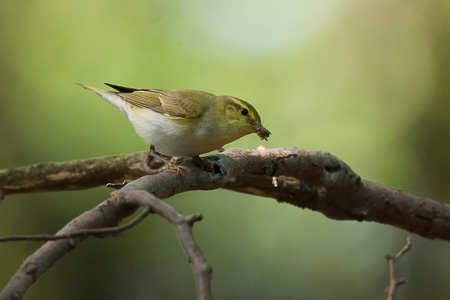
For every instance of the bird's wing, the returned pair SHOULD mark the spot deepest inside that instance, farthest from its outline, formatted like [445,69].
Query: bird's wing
[174,104]
[184,104]
[145,99]
[140,97]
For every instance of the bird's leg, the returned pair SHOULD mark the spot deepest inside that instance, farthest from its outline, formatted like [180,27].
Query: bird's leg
[152,152]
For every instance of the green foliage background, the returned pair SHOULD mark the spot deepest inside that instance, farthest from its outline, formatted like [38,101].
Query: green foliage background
[365,80]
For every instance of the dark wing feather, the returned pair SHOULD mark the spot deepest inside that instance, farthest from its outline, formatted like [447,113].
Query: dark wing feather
[122,89]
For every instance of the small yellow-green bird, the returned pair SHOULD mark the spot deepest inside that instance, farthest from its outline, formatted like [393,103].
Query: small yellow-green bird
[184,123]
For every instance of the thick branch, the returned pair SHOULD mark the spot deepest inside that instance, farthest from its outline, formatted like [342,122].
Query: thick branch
[73,175]
[307,179]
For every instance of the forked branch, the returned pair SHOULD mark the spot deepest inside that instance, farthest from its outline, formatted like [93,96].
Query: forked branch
[307,179]
[391,260]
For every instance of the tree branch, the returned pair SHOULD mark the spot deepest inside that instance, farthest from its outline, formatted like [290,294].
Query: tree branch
[74,175]
[391,260]
[98,232]
[89,223]
[307,179]
[304,178]
[183,226]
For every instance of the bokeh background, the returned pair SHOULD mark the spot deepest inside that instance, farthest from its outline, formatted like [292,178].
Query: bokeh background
[365,80]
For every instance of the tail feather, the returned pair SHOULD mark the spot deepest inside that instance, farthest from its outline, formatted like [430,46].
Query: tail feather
[111,97]
[90,88]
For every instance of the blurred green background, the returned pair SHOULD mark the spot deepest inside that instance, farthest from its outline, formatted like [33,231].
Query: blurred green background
[365,80]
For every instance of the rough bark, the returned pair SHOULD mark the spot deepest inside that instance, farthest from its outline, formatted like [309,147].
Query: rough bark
[308,179]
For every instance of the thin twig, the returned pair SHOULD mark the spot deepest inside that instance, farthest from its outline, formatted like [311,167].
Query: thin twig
[391,260]
[405,249]
[98,232]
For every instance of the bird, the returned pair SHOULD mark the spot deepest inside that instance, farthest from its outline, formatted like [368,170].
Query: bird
[184,123]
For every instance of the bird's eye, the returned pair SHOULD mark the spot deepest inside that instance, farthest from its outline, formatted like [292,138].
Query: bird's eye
[244,111]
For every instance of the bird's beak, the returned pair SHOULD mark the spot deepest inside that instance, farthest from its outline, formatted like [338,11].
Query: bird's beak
[262,132]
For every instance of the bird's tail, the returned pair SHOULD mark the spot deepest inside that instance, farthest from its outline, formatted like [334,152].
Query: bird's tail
[111,97]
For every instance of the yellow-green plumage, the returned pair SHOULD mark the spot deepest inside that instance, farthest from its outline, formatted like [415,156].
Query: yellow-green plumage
[184,122]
